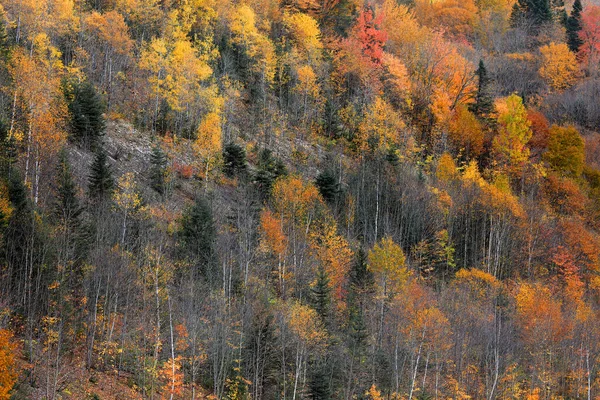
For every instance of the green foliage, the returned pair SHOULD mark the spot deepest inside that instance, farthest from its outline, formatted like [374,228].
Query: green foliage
[100,180]
[319,386]
[269,168]
[158,169]
[566,151]
[328,186]
[483,107]
[321,294]
[234,160]
[86,111]
[197,234]
[574,26]
[66,205]
[532,13]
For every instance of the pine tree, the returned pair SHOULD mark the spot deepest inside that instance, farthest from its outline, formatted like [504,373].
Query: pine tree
[158,169]
[319,383]
[4,41]
[198,233]
[483,107]
[574,26]
[269,169]
[321,294]
[234,160]
[100,180]
[66,205]
[533,12]
[327,184]
[86,111]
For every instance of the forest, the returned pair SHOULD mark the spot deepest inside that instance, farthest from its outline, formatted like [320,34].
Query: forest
[299,199]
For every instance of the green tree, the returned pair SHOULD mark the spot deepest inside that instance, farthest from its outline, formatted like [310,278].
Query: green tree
[483,107]
[234,160]
[100,181]
[269,169]
[320,292]
[86,111]
[319,382]
[198,234]
[158,169]
[574,26]
[328,186]
[532,13]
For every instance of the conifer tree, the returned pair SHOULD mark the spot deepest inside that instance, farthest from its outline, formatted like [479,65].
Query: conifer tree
[158,169]
[269,169]
[234,160]
[327,185]
[100,181]
[66,205]
[574,26]
[319,383]
[86,111]
[198,234]
[321,294]
[483,107]
[531,12]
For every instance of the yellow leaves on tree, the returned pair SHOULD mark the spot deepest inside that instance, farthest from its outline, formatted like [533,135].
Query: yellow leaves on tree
[272,237]
[465,131]
[382,128]
[539,315]
[305,324]
[257,46]
[396,77]
[208,143]
[295,199]
[8,365]
[510,145]
[172,376]
[111,31]
[559,66]
[388,262]
[566,150]
[334,254]
[456,16]
[306,35]
[446,168]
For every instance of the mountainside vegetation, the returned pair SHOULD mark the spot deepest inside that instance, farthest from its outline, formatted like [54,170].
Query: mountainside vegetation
[299,199]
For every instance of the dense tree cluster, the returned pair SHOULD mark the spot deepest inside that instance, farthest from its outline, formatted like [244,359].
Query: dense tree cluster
[299,199]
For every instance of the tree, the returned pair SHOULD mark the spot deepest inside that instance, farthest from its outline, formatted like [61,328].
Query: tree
[269,169]
[66,206]
[8,365]
[483,107]
[208,144]
[534,12]
[574,26]
[559,66]
[86,111]
[158,169]
[590,35]
[566,151]
[100,179]
[321,294]
[510,145]
[234,160]
[328,186]
[197,234]
[465,131]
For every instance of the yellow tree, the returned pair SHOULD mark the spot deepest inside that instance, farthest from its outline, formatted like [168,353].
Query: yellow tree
[128,199]
[8,365]
[510,145]
[208,143]
[559,66]
[382,129]
[36,79]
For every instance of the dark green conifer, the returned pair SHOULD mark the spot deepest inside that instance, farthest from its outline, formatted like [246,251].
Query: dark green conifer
[574,26]
[321,294]
[158,169]
[531,13]
[86,110]
[328,186]
[198,234]
[269,169]
[234,160]
[100,180]
[483,107]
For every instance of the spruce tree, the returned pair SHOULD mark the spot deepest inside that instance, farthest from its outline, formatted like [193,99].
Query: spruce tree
[269,169]
[531,12]
[483,107]
[319,388]
[574,26]
[100,180]
[327,184]
[86,111]
[66,205]
[158,169]
[320,292]
[234,160]
[198,234]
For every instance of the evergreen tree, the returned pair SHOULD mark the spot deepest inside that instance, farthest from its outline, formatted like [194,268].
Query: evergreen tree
[532,13]
[574,26]
[319,388]
[321,294]
[483,107]
[158,169]
[4,41]
[86,111]
[327,184]
[361,282]
[198,234]
[269,169]
[100,180]
[66,205]
[234,160]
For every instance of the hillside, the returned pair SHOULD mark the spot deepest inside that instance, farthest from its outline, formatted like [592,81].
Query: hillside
[299,199]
